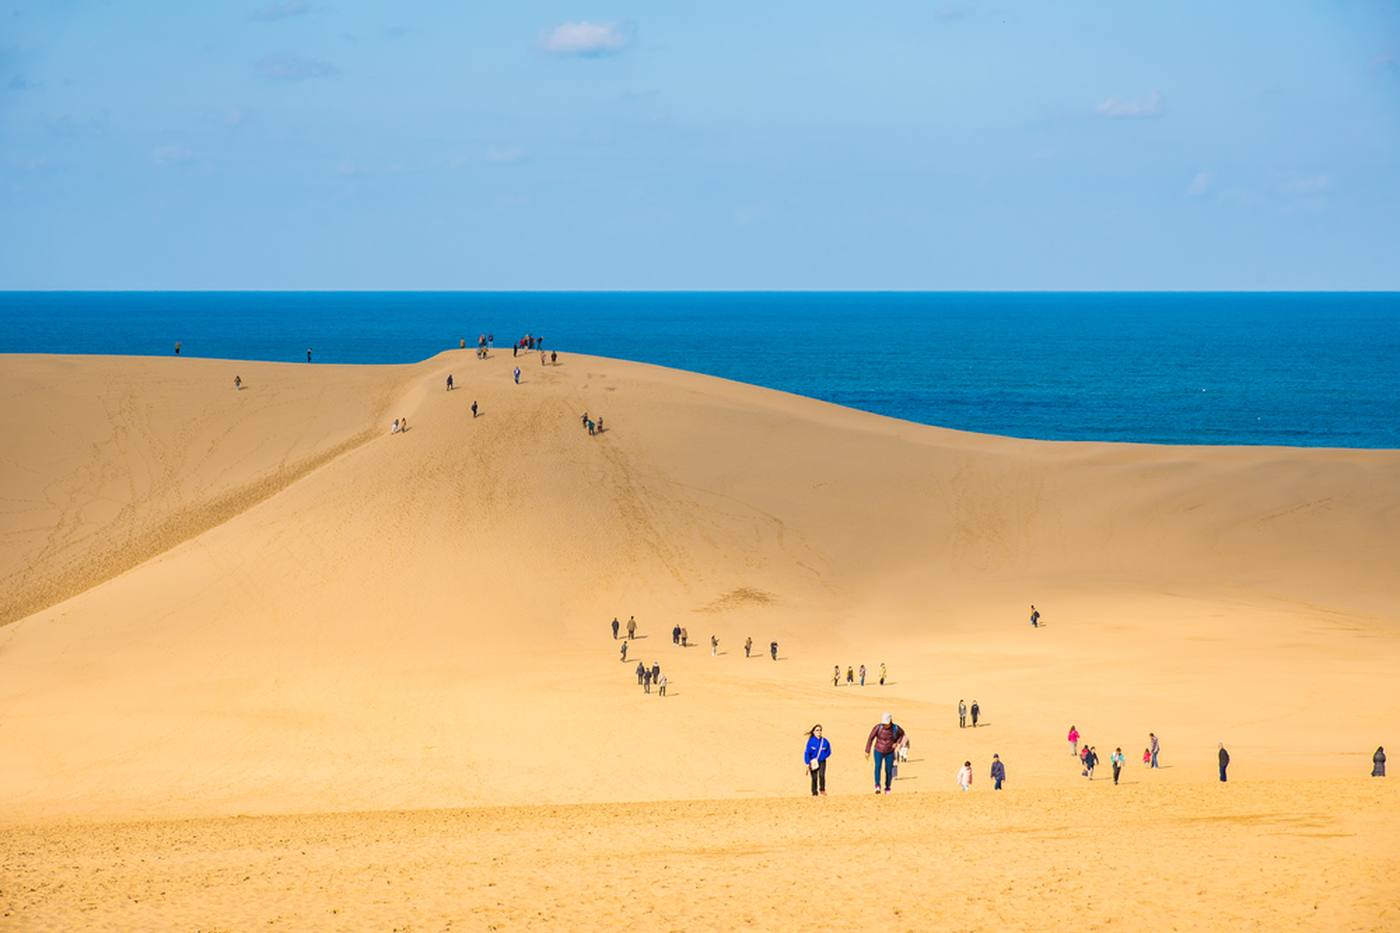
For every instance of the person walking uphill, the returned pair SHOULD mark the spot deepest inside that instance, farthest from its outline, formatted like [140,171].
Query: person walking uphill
[615,624]
[962,715]
[773,650]
[1155,746]
[965,776]
[641,671]
[1378,762]
[976,711]
[631,626]
[1116,759]
[998,772]
[814,757]
[1073,738]
[1224,762]
[748,646]
[884,737]
[624,652]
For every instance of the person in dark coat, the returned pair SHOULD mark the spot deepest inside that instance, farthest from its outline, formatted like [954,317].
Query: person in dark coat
[1378,762]
[641,671]
[998,772]
[976,712]
[615,627]
[1224,762]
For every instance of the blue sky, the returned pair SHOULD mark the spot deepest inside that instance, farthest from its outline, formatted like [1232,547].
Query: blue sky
[755,145]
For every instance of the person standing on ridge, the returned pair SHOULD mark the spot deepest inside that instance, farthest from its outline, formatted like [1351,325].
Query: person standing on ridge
[308,354]
[884,737]
[177,348]
[962,715]
[976,711]
[814,757]
[1155,746]
[1116,760]
[1224,762]
[615,624]
[631,626]
[998,772]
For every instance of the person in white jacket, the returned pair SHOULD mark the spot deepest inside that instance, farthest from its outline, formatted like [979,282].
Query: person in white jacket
[965,776]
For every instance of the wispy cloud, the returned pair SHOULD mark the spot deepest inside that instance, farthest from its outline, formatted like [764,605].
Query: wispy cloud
[236,117]
[504,155]
[1128,108]
[171,155]
[288,67]
[1305,185]
[1200,184]
[586,40]
[279,9]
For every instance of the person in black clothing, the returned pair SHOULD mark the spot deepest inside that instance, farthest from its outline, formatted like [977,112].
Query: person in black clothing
[308,354]
[474,415]
[676,634]
[1090,761]
[641,671]
[655,672]
[1378,762]
[615,624]
[1035,616]
[646,681]
[976,711]
[1224,762]
[773,651]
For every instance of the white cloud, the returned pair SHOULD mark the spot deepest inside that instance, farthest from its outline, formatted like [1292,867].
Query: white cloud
[1119,107]
[171,155]
[288,67]
[584,39]
[1200,184]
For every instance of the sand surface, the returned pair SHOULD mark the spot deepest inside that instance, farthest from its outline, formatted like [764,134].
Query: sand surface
[261,604]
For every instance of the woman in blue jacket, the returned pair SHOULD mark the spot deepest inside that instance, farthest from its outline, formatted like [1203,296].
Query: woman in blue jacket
[814,757]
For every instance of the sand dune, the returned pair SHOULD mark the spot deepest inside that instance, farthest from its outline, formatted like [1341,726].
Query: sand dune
[263,603]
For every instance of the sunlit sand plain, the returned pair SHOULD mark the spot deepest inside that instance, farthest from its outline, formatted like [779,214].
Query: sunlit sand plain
[266,664]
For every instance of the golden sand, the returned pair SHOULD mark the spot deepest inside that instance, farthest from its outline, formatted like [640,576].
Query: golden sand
[261,603]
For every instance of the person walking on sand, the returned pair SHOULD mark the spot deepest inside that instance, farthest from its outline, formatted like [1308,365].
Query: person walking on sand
[1155,746]
[850,676]
[998,772]
[962,715]
[449,382]
[1035,616]
[308,354]
[177,348]
[395,428]
[615,624]
[553,357]
[1084,761]
[238,383]
[1116,760]
[403,424]
[655,671]
[631,626]
[814,757]
[882,673]
[1146,757]
[646,681]
[1224,761]
[624,652]
[976,711]
[1073,738]
[1378,762]
[661,688]
[641,670]
[965,776]
[1093,761]
[714,647]
[885,736]
[862,675]
[676,634]
[773,650]
[685,637]
[748,646]
[473,408]
[836,676]
[517,375]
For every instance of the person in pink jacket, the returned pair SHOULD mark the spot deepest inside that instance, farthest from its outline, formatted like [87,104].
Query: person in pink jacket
[1073,741]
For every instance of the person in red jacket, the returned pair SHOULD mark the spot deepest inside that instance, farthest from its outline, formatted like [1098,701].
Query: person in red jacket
[885,736]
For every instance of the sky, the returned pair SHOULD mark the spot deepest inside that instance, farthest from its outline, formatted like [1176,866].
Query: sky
[766,144]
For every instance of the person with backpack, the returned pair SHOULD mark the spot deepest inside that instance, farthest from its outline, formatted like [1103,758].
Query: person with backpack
[646,680]
[814,757]
[1035,616]
[998,772]
[884,737]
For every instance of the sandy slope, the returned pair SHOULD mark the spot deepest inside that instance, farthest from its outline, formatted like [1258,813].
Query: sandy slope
[350,621]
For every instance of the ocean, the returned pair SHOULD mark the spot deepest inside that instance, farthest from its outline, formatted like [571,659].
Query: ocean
[1300,369]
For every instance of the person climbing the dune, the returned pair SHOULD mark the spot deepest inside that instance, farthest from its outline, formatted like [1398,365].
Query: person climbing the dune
[836,676]
[976,712]
[1073,738]
[1378,762]
[862,675]
[624,652]
[1035,616]
[882,673]
[473,408]
[814,758]
[773,650]
[714,646]
[962,714]
[676,634]
[517,375]
[748,646]
[449,382]
[631,626]
[655,671]
[998,772]
[884,737]
[850,676]
[641,670]
[615,624]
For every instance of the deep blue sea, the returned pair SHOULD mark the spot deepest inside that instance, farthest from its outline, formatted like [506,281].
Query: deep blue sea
[1303,369]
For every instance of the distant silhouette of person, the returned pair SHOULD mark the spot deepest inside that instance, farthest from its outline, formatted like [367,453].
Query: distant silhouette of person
[850,676]
[962,715]
[308,354]
[814,758]
[237,383]
[1224,757]
[882,673]
[553,357]
[773,650]
[676,634]
[641,672]
[998,772]
[862,675]
[624,651]
[473,408]
[646,681]
[1155,746]
[655,671]
[449,382]
[631,626]
[1378,762]
[517,375]
[836,676]
[714,646]
[748,646]
[1035,616]
[685,637]
[976,711]
[177,348]
[615,624]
